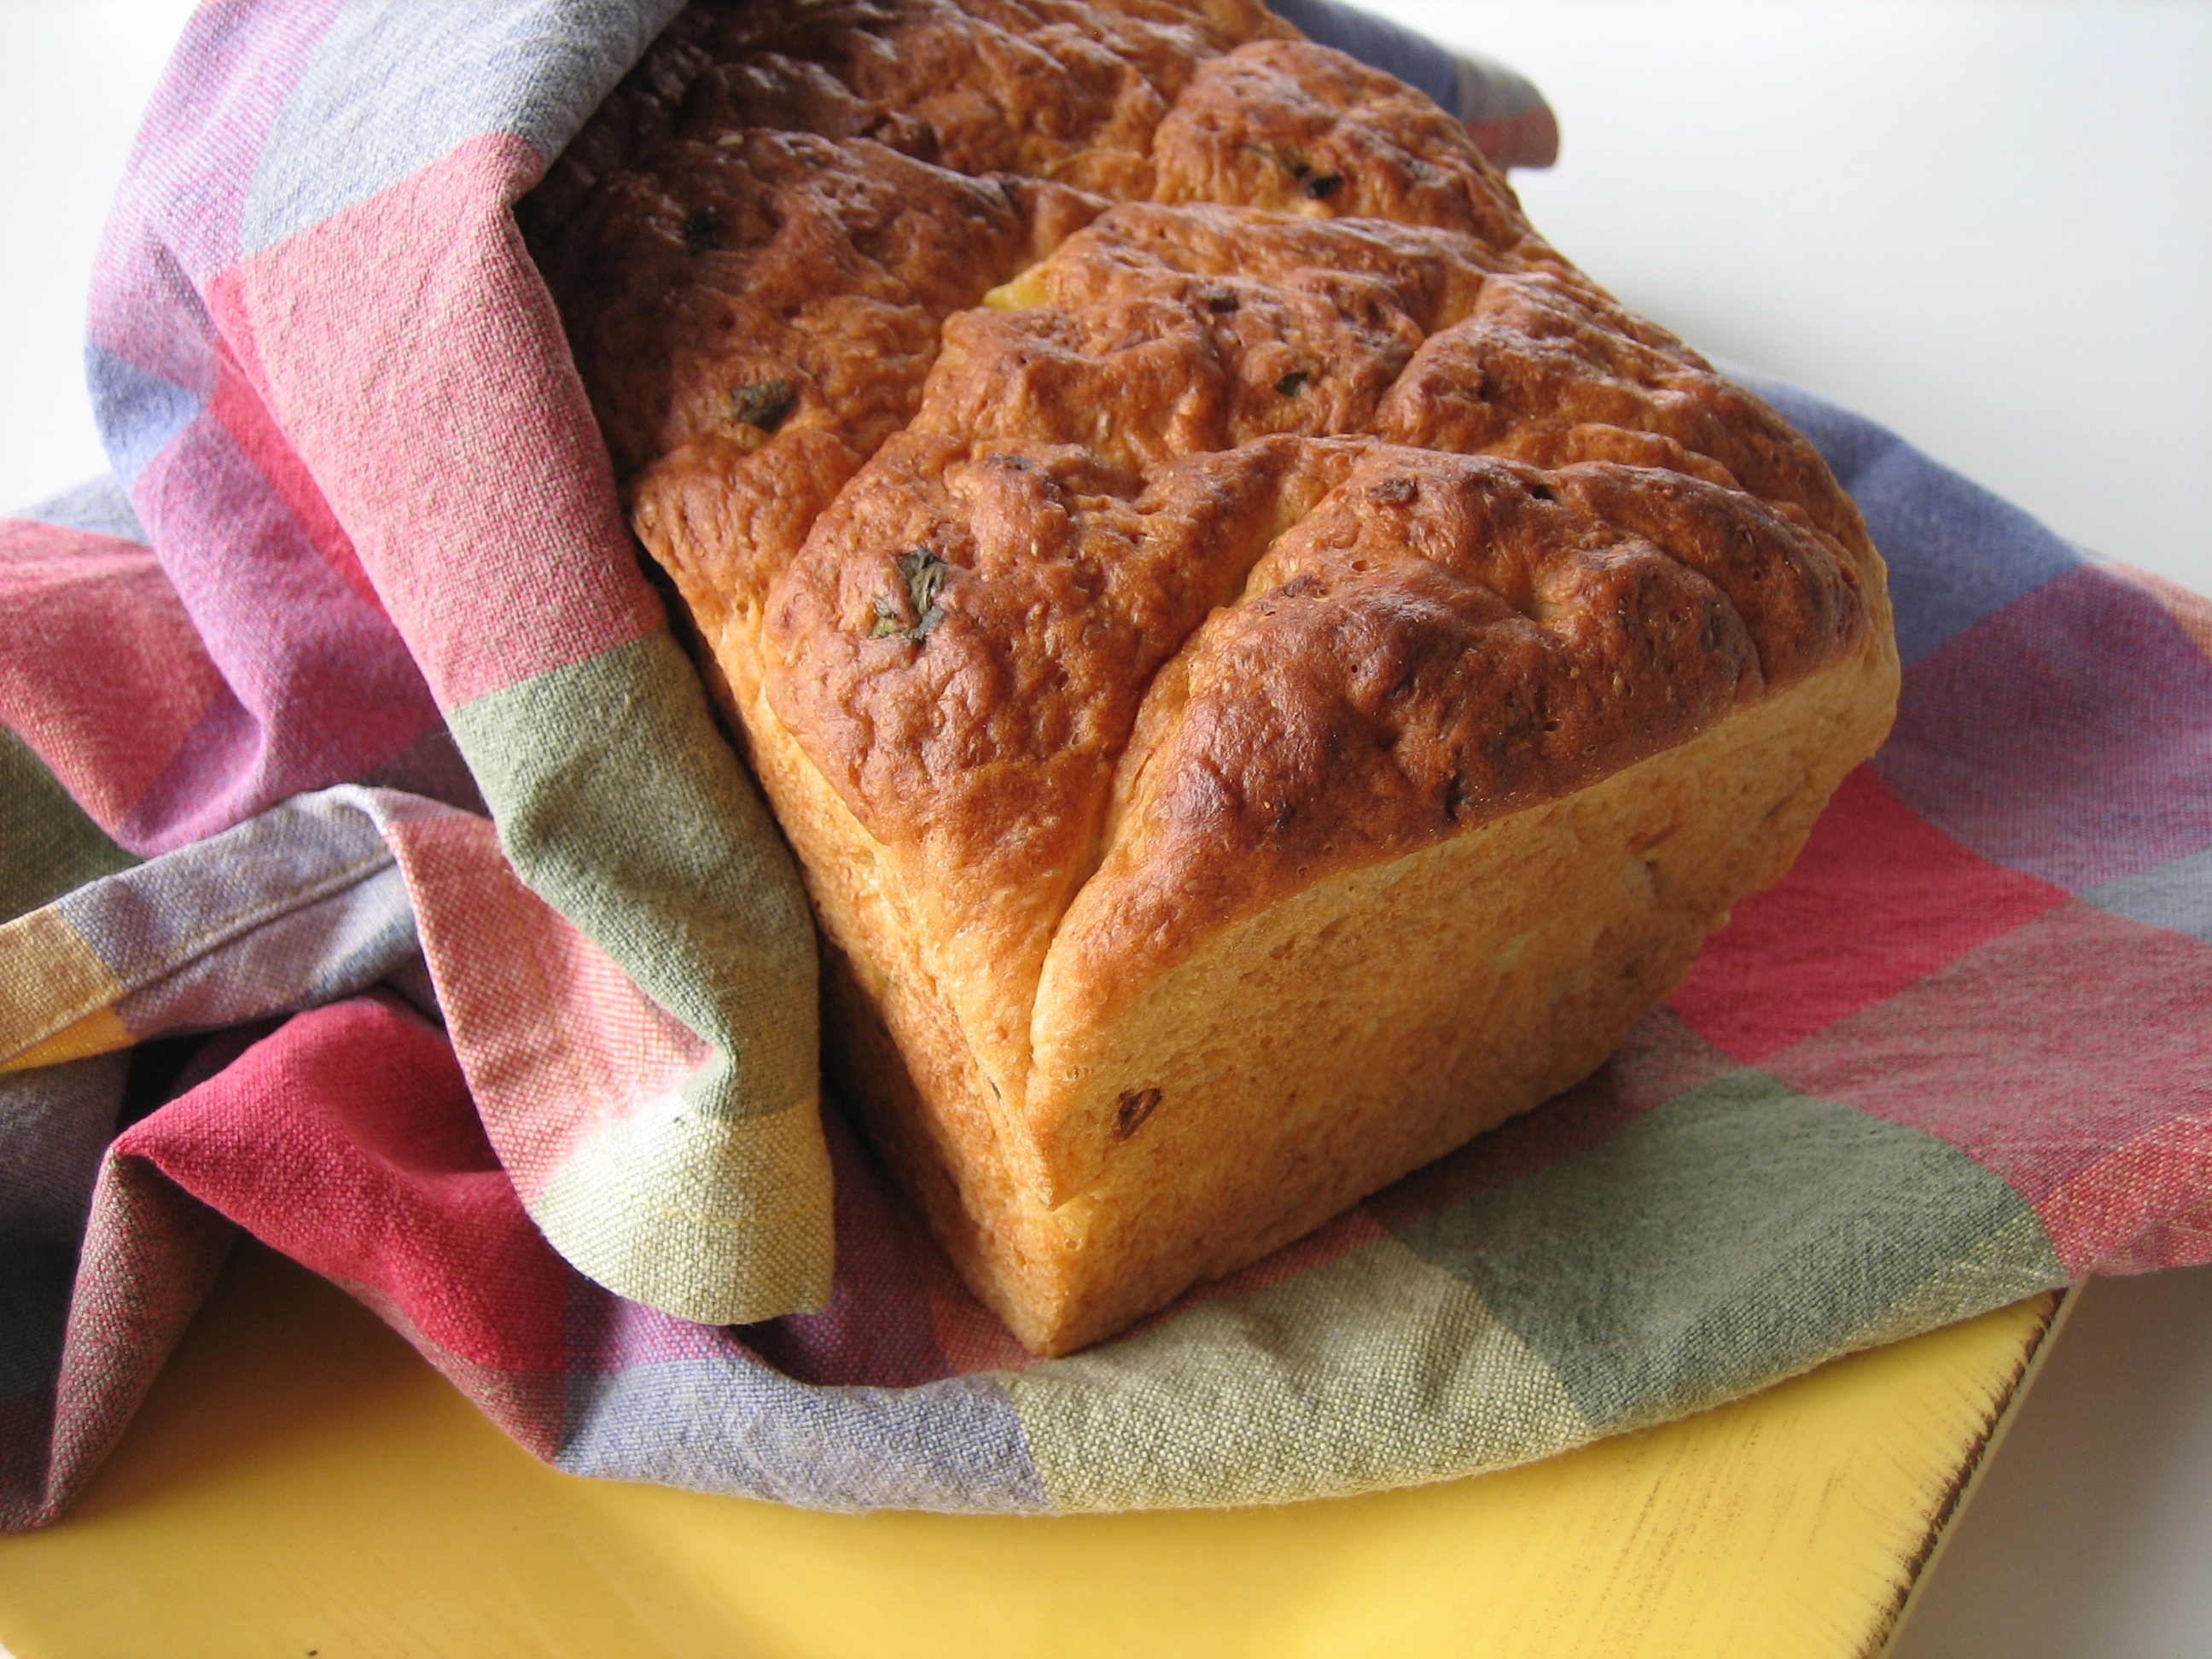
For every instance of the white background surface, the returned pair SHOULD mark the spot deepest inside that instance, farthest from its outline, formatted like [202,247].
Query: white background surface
[1987,223]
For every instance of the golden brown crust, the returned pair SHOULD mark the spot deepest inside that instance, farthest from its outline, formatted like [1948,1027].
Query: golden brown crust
[1445,640]
[1158,333]
[1547,369]
[975,734]
[1134,471]
[775,259]
[1299,1059]
[1288,126]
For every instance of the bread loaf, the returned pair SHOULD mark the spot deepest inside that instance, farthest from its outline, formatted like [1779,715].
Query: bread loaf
[1268,670]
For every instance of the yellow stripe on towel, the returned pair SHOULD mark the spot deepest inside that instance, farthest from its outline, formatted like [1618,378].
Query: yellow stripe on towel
[100,1033]
[56,994]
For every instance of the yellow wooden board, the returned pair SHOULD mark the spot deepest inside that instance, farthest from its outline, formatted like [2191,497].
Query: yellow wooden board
[300,1483]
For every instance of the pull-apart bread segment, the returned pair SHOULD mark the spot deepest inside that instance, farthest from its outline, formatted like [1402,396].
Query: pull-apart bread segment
[1268,670]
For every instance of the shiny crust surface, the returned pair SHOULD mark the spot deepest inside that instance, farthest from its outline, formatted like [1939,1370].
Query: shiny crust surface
[1147,464]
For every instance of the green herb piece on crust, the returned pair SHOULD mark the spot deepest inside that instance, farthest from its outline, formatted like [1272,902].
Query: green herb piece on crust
[763,404]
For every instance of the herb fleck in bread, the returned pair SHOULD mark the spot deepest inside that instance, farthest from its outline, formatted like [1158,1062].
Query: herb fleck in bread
[1268,670]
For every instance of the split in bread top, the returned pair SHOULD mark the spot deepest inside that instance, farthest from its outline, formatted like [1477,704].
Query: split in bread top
[1147,464]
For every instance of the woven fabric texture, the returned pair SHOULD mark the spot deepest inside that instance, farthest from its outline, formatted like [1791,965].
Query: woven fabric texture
[331,917]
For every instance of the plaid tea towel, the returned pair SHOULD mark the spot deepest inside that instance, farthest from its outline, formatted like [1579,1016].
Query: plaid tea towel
[379,884]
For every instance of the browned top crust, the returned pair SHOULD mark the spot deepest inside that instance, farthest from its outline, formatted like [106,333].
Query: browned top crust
[1146,462]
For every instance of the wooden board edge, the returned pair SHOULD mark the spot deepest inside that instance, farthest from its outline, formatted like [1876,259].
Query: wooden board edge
[1944,1523]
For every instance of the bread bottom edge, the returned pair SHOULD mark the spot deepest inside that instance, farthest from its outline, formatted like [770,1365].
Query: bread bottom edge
[1312,1055]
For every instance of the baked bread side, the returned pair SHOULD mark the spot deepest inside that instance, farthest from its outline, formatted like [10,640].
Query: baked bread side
[1268,670]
